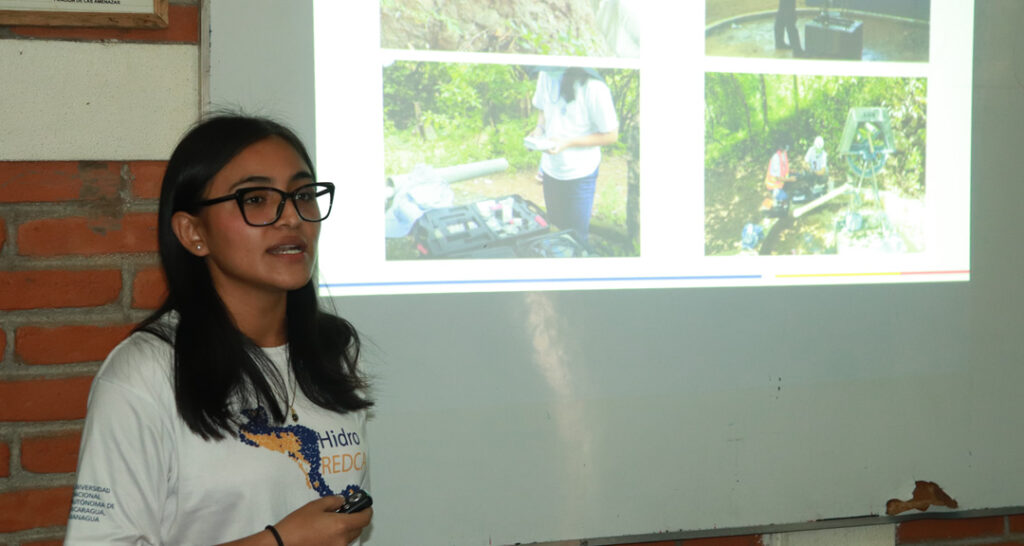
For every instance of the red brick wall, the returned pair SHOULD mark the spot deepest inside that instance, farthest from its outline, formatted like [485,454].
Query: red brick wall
[78,268]
[986,531]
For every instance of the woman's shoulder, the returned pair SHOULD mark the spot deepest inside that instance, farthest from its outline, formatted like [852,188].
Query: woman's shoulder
[596,85]
[139,362]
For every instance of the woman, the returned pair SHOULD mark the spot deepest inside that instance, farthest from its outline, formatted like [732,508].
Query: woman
[238,403]
[576,118]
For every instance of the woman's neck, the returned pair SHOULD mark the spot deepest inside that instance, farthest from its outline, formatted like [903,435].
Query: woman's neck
[261,317]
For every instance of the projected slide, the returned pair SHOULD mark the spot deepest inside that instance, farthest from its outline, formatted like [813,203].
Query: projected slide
[598,144]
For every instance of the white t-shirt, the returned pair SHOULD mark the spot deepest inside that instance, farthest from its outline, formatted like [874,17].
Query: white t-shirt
[591,112]
[145,478]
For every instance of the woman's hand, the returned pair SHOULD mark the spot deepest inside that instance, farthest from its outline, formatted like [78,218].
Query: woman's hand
[557,147]
[317,523]
[593,139]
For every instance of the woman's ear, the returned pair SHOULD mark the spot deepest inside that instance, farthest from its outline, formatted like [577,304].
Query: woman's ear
[189,232]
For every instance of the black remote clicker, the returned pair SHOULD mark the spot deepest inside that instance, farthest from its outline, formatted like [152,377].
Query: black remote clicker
[358,501]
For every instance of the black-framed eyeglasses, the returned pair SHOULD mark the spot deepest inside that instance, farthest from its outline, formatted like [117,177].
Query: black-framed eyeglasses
[262,206]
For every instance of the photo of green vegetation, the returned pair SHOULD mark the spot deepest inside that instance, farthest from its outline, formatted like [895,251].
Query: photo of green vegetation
[587,28]
[440,117]
[872,199]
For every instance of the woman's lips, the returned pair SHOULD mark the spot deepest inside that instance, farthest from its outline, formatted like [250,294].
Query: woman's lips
[286,249]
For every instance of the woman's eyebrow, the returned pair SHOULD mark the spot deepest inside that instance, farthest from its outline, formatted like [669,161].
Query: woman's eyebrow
[301,175]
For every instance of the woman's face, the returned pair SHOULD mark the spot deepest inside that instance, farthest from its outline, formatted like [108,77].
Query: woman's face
[247,261]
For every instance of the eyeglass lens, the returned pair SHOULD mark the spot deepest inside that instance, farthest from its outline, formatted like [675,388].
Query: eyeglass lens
[262,206]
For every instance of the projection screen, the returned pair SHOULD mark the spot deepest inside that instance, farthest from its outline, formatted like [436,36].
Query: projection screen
[738,161]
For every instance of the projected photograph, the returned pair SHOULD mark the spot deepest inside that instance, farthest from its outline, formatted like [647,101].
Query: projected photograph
[806,165]
[598,28]
[860,30]
[510,161]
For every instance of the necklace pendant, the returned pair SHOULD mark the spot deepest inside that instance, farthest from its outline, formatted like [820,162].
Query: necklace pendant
[295,416]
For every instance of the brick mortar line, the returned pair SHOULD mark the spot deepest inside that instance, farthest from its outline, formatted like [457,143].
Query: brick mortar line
[35,480]
[127,295]
[45,428]
[110,313]
[16,431]
[32,535]
[80,207]
[16,371]
[23,480]
[79,262]
[8,335]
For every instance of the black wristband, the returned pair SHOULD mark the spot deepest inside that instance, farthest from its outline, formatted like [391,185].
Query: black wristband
[277,536]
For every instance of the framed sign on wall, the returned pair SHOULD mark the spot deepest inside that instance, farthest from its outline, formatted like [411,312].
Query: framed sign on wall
[85,13]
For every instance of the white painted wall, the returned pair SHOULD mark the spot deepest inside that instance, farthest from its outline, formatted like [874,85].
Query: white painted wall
[263,60]
[546,416]
[95,101]
[73,100]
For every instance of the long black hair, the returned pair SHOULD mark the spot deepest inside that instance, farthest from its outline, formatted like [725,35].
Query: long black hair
[215,364]
[575,76]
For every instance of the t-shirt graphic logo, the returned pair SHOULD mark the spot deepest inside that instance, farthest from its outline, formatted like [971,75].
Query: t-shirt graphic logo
[295,441]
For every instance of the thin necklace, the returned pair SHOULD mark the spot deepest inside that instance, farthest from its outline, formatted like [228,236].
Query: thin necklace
[295,385]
